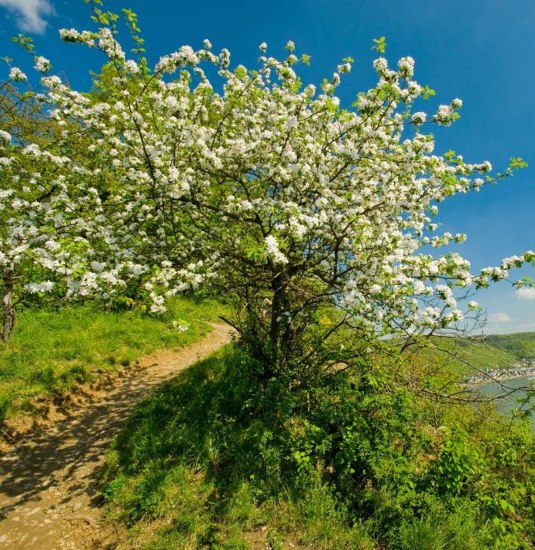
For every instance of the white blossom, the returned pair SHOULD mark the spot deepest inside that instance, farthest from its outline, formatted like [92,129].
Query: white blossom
[42,64]
[273,251]
[17,75]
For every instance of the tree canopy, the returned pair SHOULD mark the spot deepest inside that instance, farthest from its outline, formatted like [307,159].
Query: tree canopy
[248,181]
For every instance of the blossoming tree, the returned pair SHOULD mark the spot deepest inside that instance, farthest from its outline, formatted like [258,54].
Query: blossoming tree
[47,206]
[274,193]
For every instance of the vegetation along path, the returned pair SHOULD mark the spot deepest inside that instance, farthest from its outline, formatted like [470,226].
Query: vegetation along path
[48,484]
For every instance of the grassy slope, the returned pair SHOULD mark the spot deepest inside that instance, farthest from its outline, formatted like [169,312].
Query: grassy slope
[189,471]
[169,480]
[163,474]
[51,351]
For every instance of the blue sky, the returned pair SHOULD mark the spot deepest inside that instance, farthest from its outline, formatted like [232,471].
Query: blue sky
[480,51]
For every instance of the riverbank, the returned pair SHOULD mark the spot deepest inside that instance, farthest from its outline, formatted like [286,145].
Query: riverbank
[503,374]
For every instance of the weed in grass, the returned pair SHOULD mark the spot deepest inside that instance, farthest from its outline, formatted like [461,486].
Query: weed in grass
[75,373]
[423,535]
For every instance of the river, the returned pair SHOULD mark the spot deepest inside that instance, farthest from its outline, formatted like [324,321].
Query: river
[507,403]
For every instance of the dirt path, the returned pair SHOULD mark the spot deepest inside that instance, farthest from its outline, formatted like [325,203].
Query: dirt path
[48,491]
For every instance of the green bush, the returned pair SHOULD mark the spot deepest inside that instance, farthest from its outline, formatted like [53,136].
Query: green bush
[352,460]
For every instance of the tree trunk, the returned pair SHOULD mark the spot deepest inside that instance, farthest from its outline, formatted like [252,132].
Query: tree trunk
[8,309]
[277,309]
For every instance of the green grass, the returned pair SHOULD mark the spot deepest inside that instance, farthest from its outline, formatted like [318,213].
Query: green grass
[218,460]
[182,474]
[51,351]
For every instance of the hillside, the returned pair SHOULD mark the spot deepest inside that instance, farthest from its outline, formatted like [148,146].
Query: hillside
[469,356]
[521,344]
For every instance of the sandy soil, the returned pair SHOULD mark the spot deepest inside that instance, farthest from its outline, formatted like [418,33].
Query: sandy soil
[49,495]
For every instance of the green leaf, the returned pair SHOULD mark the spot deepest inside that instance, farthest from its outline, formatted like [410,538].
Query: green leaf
[517,162]
[380,44]
[24,41]
[241,72]
[427,92]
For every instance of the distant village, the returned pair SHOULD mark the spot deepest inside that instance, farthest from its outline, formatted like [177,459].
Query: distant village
[526,368]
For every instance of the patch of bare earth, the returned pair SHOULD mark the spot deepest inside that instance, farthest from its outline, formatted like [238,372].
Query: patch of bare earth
[49,495]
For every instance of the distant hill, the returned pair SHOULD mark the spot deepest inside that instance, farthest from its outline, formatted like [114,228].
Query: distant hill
[467,356]
[520,344]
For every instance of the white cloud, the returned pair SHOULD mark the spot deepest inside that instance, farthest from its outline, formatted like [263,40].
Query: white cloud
[523,293]
[30,14]
[499,318]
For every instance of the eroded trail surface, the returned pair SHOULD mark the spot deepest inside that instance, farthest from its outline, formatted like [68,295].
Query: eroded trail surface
[48,488]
